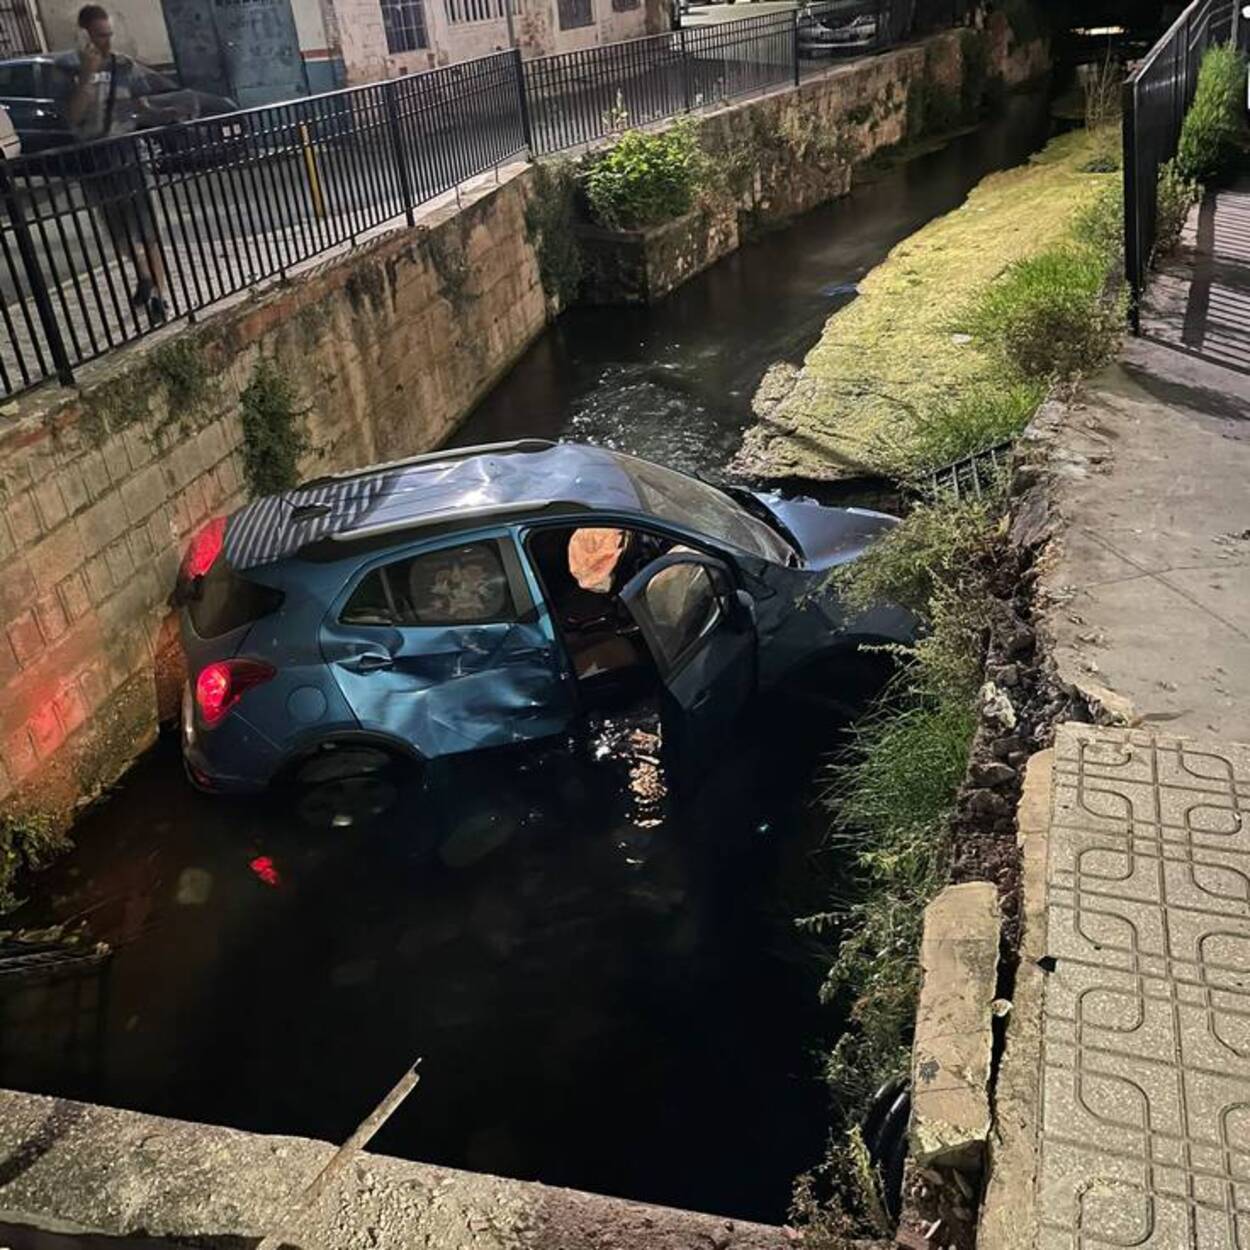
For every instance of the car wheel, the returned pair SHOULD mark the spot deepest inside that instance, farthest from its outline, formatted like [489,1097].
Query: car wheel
[346,788]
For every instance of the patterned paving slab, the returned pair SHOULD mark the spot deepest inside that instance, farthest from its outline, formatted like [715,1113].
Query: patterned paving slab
[1145,1125]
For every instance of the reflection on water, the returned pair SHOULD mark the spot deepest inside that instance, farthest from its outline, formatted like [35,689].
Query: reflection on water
[675,382]
[603,979]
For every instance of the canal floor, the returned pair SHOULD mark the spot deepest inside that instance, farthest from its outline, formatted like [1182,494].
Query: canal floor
[605,983]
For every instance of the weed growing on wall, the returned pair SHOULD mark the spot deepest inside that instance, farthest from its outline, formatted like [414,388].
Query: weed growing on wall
[273,434]
[29,841]
[550,215]
[1214,131]
[647,178]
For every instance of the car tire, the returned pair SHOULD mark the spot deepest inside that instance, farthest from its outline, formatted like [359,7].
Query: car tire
[346,788]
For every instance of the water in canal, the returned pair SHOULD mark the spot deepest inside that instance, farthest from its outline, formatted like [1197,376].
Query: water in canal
[604,983]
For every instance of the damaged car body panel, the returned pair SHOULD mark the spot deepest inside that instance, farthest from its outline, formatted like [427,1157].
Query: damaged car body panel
[483,597]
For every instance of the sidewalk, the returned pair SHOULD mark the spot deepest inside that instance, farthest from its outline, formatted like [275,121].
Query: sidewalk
[1123,1100]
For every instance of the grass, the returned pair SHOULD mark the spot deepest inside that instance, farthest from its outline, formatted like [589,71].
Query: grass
[894,355]
[1045,317]
[890,798]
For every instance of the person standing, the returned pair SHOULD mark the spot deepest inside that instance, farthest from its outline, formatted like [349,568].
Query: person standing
[106,91]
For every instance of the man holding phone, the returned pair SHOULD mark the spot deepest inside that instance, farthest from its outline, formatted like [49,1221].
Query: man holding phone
[106,91]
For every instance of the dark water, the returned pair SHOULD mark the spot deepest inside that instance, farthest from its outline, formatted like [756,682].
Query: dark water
[675,382]
[605,984]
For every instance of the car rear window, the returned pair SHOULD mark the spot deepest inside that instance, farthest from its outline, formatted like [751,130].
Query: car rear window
[224,601]
[463,585]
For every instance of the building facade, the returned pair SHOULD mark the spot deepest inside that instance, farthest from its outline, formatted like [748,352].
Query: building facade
[259,51]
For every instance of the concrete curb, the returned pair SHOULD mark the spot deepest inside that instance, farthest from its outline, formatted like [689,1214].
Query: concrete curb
[950,1120]
[1008,1216]
[74,1167]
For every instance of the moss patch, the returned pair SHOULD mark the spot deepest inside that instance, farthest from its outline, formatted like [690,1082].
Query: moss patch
[896,353]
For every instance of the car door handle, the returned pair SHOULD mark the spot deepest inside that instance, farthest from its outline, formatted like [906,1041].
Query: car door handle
[370,662]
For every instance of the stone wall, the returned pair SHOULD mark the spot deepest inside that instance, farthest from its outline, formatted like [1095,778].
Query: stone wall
[389,347]
[102,487]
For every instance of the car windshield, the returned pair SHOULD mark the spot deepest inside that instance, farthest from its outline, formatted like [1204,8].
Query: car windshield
[686,501]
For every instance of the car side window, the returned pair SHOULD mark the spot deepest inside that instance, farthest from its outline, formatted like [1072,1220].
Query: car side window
[18,81]
[462,585]
[684,603]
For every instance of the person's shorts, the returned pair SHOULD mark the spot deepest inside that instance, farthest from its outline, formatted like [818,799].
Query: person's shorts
[119,195]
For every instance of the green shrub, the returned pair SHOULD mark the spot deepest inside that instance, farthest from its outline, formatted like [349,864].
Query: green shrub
[646,178]
[1213,130]
[1046,316]
[1176,196]
[1099,226]
[936,544]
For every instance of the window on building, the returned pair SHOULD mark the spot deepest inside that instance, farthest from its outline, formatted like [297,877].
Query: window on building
[459,11]
[623,6]
[404,21]
[574,13]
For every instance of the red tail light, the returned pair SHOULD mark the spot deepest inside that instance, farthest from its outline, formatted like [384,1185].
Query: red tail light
[220,686]
[205,548]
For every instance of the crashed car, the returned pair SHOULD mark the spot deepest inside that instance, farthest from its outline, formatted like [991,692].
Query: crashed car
[487,596]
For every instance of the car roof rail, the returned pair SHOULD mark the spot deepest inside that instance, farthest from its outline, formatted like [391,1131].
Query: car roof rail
[428,457]
[485,512]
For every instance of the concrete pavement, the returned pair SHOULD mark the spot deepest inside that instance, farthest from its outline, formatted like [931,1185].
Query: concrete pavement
[1123,1096]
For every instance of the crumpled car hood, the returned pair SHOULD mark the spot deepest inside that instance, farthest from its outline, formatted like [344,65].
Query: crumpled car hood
[828,536]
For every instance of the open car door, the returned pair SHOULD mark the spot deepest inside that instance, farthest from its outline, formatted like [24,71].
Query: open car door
[702,636]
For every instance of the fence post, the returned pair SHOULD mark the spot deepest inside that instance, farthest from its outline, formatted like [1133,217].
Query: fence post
[390,92]
[795,44]
[16,209]
[523,104]
[685,68]
[1132,219]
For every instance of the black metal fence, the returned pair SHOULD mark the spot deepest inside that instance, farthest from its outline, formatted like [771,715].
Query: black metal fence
[1157,95]
[196,212]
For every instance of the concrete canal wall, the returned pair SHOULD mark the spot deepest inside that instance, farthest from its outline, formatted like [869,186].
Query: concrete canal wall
[76,1169]
[387,348]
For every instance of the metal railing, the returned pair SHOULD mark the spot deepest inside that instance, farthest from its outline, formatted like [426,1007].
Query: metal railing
[208,208]
[1157,95]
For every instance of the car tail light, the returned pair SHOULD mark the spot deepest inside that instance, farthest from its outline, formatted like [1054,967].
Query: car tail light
[205,548]
[221,685]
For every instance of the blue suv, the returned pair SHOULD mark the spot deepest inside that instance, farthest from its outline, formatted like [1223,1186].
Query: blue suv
[487,596]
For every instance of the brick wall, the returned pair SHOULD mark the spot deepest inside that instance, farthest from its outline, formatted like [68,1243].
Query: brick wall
[100,488]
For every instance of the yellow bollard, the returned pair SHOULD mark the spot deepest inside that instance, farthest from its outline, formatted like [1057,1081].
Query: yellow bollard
[314,176]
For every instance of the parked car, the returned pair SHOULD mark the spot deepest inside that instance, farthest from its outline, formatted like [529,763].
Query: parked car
[819,38]
[33,90]
[10,143]
[492,595]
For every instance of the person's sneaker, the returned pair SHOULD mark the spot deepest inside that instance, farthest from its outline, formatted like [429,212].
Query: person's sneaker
[156,310]
[142,298]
